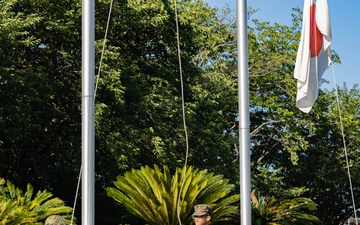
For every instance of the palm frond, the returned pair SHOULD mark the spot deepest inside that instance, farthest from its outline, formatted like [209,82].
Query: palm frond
[153,194]
[17,207]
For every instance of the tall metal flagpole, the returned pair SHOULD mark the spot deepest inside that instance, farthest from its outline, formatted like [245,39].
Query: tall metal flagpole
[244,118]
[88,99]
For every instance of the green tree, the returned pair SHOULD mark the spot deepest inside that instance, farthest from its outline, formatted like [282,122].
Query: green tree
[40,61]
[146,102]
[268,211]
[138,102]
[152,194]
[322,167]
[292,149]
[17,207]
[138,113]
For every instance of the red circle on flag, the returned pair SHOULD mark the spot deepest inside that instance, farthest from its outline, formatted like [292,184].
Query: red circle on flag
[316,37]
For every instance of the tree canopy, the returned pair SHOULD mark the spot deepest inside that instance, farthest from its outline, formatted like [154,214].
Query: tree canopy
[138,117]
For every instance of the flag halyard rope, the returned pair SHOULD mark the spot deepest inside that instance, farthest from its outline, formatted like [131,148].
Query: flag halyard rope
[183,110]
[344,144]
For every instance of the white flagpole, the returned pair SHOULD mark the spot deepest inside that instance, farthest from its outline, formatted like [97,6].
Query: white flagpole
[88,99]
[244,118]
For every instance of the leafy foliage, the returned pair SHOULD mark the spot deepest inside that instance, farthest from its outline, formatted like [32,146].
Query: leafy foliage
[40,94]
[153,194]
[17,207]
[269,211]
[138,102]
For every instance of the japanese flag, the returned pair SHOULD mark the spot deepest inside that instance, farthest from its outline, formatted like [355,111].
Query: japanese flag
[313,56]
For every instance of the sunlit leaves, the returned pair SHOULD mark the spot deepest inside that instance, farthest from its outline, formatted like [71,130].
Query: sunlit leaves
[152,194]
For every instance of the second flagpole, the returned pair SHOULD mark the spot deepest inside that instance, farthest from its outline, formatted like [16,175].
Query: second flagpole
[244,118]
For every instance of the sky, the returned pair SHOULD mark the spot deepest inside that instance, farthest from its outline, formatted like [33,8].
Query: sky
[345,25]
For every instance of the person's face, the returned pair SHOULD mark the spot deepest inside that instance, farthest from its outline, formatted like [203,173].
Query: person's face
[202,220]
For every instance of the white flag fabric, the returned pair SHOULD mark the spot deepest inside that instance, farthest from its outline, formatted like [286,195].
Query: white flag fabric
[313,56]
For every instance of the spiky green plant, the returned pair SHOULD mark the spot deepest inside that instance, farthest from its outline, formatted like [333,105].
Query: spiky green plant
[18,208]
[269,211]
[153,194]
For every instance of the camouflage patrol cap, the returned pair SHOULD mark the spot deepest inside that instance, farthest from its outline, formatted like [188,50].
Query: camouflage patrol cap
[202,210]
[55,220]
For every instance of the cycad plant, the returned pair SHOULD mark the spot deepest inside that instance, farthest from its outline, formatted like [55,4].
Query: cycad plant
[269,211]
[153,194]
[18,208]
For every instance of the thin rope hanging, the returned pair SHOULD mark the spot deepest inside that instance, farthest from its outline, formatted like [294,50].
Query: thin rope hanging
[345,147]
[103,48]
[183,110]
